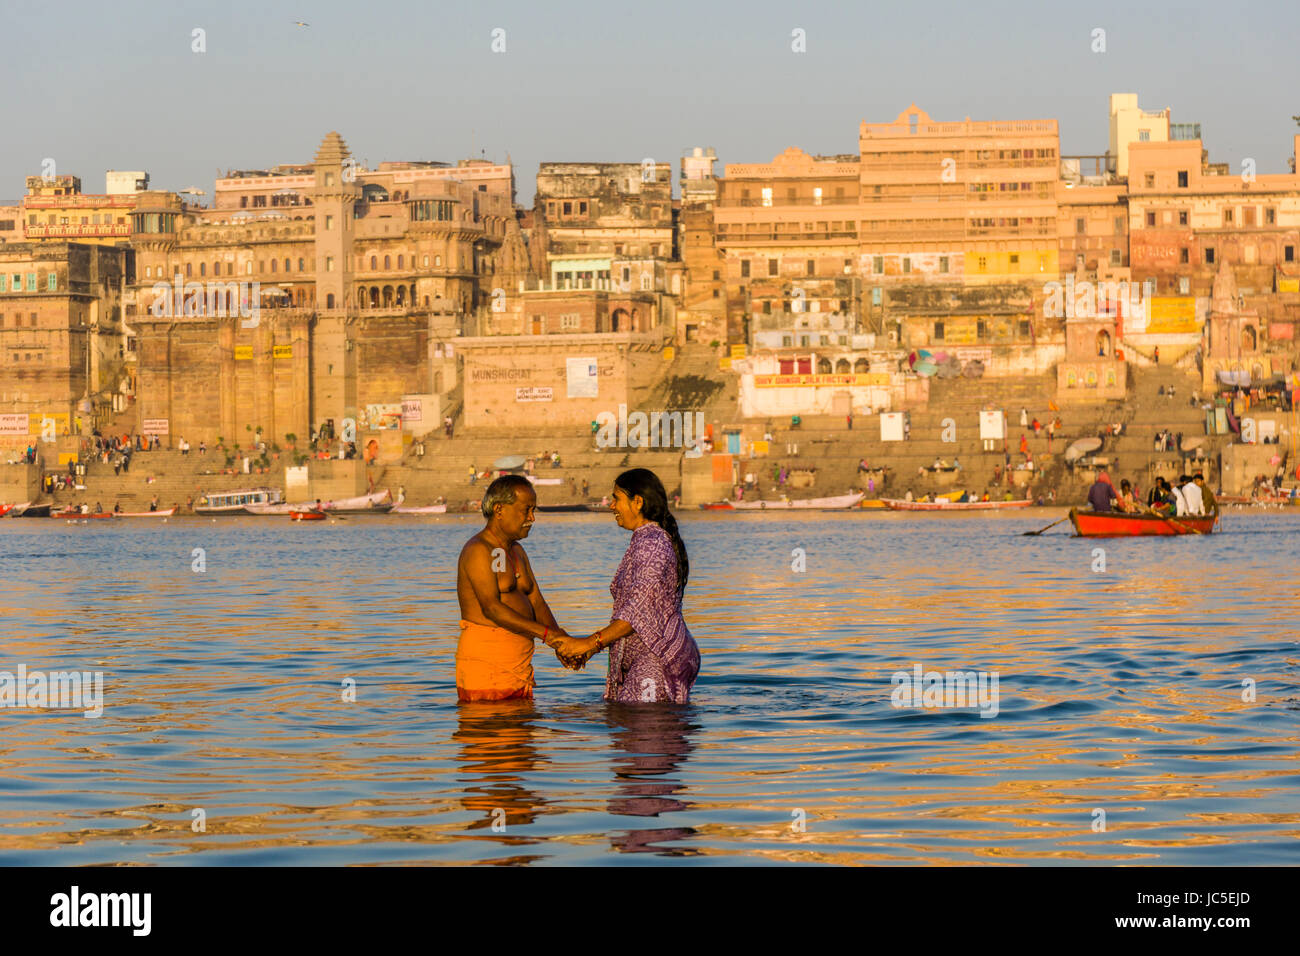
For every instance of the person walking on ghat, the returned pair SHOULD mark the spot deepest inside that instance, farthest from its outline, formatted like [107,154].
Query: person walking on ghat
[502,610]
[652,655]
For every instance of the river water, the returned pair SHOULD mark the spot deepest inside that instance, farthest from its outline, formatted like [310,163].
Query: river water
[1147,710]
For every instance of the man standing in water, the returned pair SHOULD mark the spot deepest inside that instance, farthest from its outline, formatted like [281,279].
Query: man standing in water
[501,605]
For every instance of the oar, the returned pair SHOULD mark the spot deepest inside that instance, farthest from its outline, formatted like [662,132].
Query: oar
[1187,529]
[1029,534]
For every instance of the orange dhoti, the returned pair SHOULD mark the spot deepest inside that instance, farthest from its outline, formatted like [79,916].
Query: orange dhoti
[493,663]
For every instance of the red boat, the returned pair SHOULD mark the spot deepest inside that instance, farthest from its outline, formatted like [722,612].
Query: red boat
[5,509]
[78,514]
[306,516]
[1122,524]
[717,506]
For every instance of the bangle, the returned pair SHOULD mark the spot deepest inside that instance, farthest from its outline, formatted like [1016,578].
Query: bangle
[546,631]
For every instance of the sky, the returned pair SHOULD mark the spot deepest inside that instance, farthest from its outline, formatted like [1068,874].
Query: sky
[97,86]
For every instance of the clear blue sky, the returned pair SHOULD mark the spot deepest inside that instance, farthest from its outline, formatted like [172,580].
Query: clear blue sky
[100,85]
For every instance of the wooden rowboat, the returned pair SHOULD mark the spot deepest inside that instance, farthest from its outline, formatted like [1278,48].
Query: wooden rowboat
[895,504]
[1123,524]
[165,513]
[78,514]
[834,501]
[306,516]
[716,506]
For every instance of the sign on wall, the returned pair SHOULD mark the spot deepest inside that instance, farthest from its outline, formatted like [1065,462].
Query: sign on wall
[154,426]
[582,377]
[534,393]
[13,425]
[992,426]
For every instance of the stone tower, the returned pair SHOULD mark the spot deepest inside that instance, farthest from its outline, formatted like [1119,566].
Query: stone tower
[334,197]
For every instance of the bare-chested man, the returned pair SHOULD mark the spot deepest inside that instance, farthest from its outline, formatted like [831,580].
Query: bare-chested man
[501,605]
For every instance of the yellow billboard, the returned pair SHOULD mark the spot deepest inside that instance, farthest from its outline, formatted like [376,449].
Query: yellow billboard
[738,351]
[1171,314]
[841,379]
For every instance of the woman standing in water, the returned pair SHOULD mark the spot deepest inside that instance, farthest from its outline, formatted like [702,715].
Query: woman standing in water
[652,656]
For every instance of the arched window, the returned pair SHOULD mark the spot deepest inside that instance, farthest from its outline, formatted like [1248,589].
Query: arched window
[189,269]
[823,366]
[374,262]
[437,260]
[860,366]
[216,268]
[842,367]
[399,262]
[203,268]
[300,266]
[386,263]
[274,265]
[288,265]
[329,301]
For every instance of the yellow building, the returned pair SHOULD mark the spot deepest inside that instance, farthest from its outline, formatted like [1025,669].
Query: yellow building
[56,209]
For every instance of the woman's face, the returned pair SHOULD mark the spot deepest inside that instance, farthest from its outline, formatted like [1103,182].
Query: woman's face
[627,511]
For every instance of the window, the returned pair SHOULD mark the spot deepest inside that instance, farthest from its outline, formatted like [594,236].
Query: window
[773,267]
[817,195]
[1227,217]
[329,263]
[426,260]
[1288,253]
[938,330]
[907,265]
[1184,285]
[1248,216]
[437,260]
[787,340]
[1080,225]
[767,195]
[744,269]
[981,329]
[1144,136]
[876,296]
[329,222]
[1015,259]
[983,263]
[1209,255]
[1182,217]
[248,267]
[1024,328]
[52,282]
[388,262]
[1149,180]
[1119,223]
[878,265]
[568,209]
[943,263]
[812,267]
[31,282]
[1115,258]
[300,265]
[582,209]
[1182,179]
[1151,219]
[274,265]
[1184,255]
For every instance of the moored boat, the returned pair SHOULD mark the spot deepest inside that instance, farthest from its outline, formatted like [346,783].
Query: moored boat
[716,506]
[164,513]
[306,516]
[80,514]
[30,510]
[237,502]
[425,510]
[5,509]
[381,502]
[1124,524]
[898,504]
[833,502]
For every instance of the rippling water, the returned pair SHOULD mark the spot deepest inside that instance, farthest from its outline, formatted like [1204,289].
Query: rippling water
[1121,690]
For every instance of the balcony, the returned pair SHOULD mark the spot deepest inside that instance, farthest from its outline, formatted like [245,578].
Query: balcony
[71,231]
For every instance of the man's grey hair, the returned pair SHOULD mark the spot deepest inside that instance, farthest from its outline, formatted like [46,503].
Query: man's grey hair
[503,492]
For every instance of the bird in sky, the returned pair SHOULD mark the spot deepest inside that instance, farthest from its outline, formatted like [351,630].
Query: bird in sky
[299,23]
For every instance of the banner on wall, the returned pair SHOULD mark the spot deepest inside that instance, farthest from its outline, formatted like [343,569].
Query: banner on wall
[582,376]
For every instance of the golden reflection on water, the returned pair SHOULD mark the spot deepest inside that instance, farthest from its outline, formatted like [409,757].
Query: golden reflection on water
[1120,691]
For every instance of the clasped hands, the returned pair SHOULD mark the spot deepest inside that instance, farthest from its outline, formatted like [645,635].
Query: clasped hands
[574,652]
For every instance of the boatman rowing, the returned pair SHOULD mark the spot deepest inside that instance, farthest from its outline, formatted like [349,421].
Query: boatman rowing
[501,605]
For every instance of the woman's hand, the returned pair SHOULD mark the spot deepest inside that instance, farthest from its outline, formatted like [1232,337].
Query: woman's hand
[570,651]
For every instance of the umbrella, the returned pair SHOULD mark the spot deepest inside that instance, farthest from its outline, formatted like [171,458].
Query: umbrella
[509,462]
[1081,448]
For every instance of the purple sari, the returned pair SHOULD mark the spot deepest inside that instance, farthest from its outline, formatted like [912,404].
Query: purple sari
[659,661]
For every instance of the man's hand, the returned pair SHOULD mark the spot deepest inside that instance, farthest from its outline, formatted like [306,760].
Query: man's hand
[574,652]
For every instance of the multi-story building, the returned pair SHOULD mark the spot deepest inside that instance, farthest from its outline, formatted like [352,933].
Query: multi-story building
[316,294]
[61,342]
[1129,124]
[703,313]
[55,209]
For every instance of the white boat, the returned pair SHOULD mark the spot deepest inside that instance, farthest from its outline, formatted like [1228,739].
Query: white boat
[835,501]
[426,510]
[164,513]
[237,502]
[362,504]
